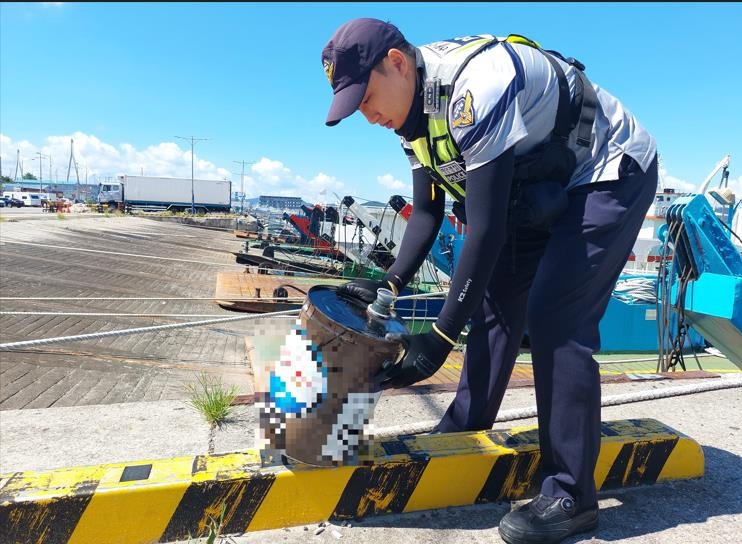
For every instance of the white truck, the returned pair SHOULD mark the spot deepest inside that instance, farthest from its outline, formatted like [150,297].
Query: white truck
[173,194]
[28,199]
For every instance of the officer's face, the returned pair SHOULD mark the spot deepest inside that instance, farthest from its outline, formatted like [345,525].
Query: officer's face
[389,95]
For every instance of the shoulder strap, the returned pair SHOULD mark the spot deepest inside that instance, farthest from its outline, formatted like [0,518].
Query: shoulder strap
[586,101]
[562,124]
[447,89]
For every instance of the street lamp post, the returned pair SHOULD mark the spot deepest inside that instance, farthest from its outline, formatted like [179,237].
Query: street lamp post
[193,196]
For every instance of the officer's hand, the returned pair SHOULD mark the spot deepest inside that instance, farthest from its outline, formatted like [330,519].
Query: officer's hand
[362,289]
[424,355]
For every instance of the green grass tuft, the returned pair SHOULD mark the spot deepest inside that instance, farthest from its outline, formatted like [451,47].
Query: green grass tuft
[210,397]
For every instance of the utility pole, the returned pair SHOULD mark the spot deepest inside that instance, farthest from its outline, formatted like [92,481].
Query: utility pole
[40,177]
[193,198]
[242,184]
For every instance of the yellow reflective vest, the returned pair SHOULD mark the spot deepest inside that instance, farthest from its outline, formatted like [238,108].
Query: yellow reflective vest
[437,152]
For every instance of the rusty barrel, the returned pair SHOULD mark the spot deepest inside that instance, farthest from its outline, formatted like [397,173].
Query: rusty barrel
[322,393]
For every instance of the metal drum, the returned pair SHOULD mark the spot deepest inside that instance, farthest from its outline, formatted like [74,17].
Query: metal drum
[322,393]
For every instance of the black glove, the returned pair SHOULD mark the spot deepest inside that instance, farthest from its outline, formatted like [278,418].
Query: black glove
[362,289]
[424,355]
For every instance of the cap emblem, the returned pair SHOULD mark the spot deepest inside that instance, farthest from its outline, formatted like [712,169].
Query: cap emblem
[329,68]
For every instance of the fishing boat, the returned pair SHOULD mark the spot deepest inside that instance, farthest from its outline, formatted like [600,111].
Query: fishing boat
[289,257]
[277,275]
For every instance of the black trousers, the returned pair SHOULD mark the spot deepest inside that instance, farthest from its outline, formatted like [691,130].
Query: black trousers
[557,283]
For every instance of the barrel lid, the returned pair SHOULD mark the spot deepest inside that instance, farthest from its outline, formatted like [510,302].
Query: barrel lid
[352,313]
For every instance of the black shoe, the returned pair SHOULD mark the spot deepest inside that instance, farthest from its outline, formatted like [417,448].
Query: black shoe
[546,520]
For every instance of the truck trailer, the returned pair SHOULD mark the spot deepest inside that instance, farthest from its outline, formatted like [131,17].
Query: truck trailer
[159,194]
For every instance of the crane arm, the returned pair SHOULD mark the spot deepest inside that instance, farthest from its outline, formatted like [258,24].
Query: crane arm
[723,163]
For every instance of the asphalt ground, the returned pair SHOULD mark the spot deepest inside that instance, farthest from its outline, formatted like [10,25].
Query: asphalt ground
[123,399]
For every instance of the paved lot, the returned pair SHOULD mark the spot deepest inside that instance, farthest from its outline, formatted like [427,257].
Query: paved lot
[145,273]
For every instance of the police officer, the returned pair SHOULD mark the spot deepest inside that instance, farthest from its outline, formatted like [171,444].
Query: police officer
[553,177]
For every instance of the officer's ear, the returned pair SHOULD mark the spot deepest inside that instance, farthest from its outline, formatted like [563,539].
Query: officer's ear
[398,61]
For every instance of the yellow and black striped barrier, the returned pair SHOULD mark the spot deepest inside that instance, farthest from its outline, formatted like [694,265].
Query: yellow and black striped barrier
[172,499]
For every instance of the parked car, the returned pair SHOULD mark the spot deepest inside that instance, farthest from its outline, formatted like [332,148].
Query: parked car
[11,202]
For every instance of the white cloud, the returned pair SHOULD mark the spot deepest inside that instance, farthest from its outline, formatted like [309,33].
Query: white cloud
[323,182]
[389,181]
[101,161]
[322,187]
[683,186]
[270,170]
[165,159]
[736,186]
[275,176]
[679,185]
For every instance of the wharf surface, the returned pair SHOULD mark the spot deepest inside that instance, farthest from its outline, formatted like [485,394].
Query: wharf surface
[123,398]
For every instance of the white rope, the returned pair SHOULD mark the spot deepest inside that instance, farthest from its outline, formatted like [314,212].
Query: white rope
[87,314]
[229,299]
[636,290]
[138,330]
[608,362]
[612,400]
[117,253]
[434,294]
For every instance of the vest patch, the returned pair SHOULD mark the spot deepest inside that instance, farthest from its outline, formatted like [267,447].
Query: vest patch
[443,47]
[463,112]
[453,171]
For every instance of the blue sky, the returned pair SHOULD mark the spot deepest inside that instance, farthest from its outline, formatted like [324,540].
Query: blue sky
[124,79]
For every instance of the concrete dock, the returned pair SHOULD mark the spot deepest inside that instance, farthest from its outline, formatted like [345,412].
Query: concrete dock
[123,398]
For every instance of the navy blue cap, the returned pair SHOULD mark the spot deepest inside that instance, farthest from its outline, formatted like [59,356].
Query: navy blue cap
[348,58]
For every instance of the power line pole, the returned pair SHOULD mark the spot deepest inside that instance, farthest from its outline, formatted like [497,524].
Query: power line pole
[242,183]
[193,198]
[40,177]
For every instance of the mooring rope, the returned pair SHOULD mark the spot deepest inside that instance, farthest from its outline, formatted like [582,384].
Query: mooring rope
[86,250]
[94,336]
[90,314]
[228,299]
[612,400]
[124,332]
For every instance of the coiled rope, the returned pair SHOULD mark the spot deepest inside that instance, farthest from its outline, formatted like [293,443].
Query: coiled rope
[639,289]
